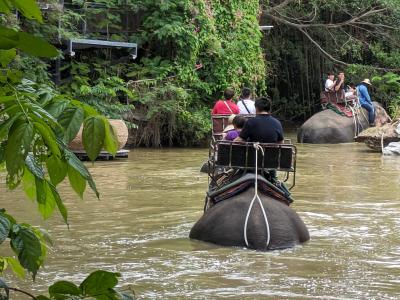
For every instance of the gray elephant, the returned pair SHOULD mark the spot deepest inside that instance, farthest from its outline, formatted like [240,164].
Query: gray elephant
[224,224]
[328,127]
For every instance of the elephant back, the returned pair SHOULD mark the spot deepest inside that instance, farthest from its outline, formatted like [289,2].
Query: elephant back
[224,224]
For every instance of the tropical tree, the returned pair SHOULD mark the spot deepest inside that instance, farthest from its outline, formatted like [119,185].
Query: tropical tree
[311,38]
[36,125]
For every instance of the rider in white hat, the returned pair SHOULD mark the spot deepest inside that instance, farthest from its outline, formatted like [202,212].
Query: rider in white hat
[367,81]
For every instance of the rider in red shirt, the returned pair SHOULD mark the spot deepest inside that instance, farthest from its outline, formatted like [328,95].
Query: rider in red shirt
[226,107]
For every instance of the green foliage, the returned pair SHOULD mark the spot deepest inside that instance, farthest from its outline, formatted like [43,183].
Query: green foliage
[28,8]
[195,50]
[190,52]
[388,85]
[71,120]
[33,144]
[311,38]
[10,38]
[28,243]
[98,285]
[93,84]
[93,136]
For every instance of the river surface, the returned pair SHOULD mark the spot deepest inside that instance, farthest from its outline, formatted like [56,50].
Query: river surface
[348,197]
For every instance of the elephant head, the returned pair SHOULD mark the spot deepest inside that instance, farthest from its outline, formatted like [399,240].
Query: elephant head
[381,116]
[225,223]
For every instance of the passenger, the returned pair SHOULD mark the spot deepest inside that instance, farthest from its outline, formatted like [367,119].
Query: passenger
[339,83]
[339,88]
[351,92]
[226,106]
[245,104]
[263,128]
[365,100]
[238,123]
[330,82]
[229,127]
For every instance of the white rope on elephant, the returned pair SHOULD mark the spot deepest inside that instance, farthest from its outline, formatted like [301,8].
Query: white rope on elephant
[257,147]
[355,119]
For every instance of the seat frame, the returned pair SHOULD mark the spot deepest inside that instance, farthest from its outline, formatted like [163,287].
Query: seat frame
[241,156]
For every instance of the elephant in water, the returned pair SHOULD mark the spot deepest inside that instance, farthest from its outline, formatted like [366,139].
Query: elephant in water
[328,127]
[224,224]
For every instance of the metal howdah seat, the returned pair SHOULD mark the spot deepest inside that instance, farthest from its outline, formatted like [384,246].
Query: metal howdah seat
[220,122]
[280,157]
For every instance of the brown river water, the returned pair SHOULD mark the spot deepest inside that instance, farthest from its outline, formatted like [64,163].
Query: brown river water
[347,196]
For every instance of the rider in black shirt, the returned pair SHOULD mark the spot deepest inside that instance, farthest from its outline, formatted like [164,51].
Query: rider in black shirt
[263,128]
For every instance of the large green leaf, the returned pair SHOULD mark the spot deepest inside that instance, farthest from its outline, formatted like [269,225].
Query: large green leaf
[29,184]
[58,201]
[34,166]
[75,163]
[5,226]
[88,110]
[37,109]
[27,246]
[71,120]
[49,137]
[47,206]
[57,169]
[16,267]
[93,136]
[6,56]
[5,6]
[63,290]
[6,125]
[55,108]
[110,141]
[35,46]
[77,182]
[99,282]
[29,8]
[40,191]
[18,145]
[26,42]
[8,38]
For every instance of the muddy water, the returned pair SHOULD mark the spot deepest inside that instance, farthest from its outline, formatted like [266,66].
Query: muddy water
[348,197]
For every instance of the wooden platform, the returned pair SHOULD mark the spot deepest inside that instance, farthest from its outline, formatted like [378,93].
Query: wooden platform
[104,155]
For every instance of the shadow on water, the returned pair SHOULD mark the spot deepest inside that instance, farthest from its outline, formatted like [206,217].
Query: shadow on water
[347,196]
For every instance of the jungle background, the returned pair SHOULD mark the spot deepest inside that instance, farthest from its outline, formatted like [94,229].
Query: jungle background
[190,51]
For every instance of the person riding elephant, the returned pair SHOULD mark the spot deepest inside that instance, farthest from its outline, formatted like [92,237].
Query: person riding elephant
[328,127]
[365,100]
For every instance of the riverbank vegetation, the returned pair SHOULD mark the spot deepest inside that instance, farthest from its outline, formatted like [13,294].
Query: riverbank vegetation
[36,125]
[190,51]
